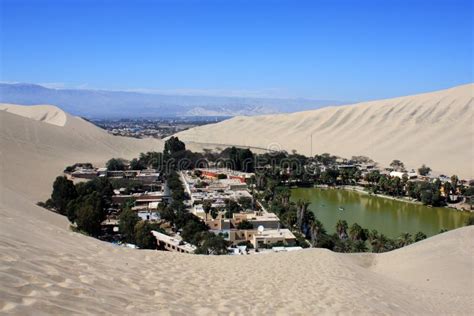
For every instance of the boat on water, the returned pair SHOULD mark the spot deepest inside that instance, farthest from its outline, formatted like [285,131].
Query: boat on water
[341,208]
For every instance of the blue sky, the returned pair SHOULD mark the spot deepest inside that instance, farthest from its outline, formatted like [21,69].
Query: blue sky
[342,50]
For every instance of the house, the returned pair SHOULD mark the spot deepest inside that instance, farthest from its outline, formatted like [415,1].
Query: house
[260,239]
[147,215]
[83,173]
[174,244]
[264,219]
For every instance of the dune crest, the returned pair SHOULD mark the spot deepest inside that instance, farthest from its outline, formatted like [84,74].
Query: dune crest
[44,113]
[432,128]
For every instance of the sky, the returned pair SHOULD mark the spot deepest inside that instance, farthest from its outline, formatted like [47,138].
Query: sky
[337,50]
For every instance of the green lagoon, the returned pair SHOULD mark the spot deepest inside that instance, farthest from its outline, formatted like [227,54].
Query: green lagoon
[389,217]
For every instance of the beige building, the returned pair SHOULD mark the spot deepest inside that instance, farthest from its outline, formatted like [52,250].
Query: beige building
[265,219]
[174,244]
[266,237]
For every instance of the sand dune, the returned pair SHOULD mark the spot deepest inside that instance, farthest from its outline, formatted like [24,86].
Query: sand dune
[44,113]
[433,128]
[40,148]
[46,268]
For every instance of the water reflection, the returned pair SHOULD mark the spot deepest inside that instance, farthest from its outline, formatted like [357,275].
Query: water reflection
[388,216]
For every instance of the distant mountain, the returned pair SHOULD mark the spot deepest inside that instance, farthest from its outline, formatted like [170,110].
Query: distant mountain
[118,104]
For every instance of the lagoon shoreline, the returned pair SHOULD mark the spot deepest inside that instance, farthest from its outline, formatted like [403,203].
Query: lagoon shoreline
[361,189]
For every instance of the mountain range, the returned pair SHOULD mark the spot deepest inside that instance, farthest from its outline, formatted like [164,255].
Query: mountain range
[124,104]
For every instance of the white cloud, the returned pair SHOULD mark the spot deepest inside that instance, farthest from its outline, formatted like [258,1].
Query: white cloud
[53,85]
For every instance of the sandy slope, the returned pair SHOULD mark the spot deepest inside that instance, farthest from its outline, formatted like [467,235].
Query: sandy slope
[433,128]
[44,113]
[40,150]
[45,268]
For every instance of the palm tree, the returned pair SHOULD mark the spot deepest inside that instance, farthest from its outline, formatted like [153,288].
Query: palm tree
[454,182]
[341,228]
[207,205]
[317,229]
[285,196]
[405,239]
[420,236]
[382,244]
[359,246]
[302,209]
[373,235]
[355,232]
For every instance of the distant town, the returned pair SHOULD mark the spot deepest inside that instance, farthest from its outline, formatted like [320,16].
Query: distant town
[156,128]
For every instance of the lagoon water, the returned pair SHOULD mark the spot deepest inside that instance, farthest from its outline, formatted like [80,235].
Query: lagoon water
[388,216]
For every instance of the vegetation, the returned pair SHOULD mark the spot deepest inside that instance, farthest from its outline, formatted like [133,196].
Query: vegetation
[143,236]
[191,227]
[115,164]
[240,159]
[245,224]
[424,170]
[470,220]
[64,192]
[397,165]
[88,213]
[128,219]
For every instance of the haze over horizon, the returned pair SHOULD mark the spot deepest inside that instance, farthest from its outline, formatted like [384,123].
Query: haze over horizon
[317,50]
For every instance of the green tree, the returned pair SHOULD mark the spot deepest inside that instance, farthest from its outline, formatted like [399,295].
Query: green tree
[359,246]
[90,214]
[341,229]
[144,239]
[317,232]
[381,244]
[302,214]
[245,202]
[212,244]
[419,236]
[245,224]
[424,170]
[397,165]
[232,207]
[454,182]
[64,192]
[405,239]
[127,221]
[137,164]
[191,231]
[173,145]
[356,232]
[207,205]
[115,164]
[214,213]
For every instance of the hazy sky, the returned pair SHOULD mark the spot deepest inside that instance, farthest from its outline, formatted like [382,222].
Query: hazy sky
[343,50]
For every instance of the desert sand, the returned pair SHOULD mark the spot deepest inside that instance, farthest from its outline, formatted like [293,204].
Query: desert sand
[47,269]
[432,128]
[44,113]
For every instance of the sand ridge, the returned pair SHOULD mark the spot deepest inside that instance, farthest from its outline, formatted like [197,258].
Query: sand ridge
[44,113]
[433,128]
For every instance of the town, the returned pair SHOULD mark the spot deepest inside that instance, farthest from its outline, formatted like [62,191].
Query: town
[211,192]
[155,128]
[232,202]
